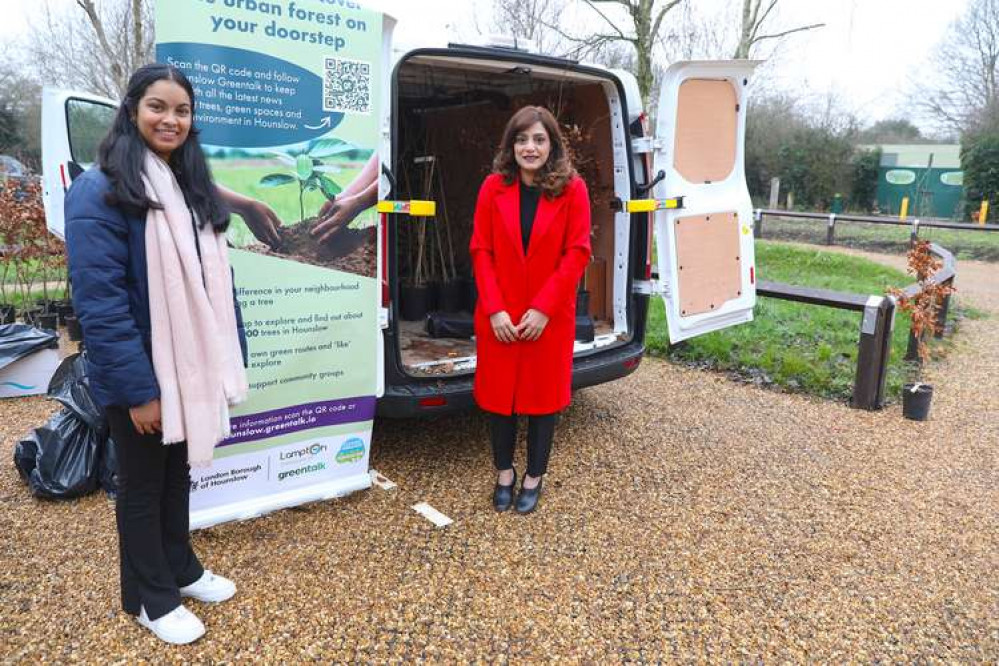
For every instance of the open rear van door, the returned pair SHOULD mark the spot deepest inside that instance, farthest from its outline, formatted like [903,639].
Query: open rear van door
[73,125]
[702,209]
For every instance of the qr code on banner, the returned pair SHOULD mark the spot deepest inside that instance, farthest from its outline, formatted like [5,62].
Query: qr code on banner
[347,86]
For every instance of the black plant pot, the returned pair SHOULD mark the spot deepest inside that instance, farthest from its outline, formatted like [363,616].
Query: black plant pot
[65,310]
[73,328]
[584,323]
[433,296]
[47,305]
[28,316]
[8,313]
[47,320]
[916,403]
[451,297]
[471,293]
[414,303]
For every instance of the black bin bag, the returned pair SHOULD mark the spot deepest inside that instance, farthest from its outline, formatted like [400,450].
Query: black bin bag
[448,325]
[71,387]
[72,454]
[59,459]
[20,340]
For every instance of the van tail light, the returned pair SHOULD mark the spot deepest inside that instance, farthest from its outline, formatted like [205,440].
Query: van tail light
[383,251]
[62,176]
[436,401]
[752,275]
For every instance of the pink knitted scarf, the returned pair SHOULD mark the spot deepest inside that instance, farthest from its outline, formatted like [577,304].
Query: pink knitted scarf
[196,353]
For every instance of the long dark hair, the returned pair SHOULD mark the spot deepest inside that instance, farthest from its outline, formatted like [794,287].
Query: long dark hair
[556,173]
[123,151]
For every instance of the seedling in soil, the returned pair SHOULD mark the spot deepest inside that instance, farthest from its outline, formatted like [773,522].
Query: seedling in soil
[309,170]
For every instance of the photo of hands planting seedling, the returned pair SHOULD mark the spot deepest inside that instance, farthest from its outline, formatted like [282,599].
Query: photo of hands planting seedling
[311,202]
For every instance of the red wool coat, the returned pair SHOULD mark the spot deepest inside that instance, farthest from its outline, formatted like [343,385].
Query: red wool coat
[528,377]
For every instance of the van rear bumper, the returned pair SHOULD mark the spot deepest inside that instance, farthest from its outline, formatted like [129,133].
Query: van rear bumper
[443,396]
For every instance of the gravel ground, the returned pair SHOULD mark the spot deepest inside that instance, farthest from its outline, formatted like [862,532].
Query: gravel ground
[686,517]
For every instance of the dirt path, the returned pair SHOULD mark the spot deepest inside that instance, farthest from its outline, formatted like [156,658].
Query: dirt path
[685,518]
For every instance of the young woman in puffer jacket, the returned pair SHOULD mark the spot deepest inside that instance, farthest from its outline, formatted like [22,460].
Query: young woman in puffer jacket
[145,234]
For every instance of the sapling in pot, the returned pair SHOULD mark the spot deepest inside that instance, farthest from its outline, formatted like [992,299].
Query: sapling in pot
[9,213]
[923,308]
[26,239]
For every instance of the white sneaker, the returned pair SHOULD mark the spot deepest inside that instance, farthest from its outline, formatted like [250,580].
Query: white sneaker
[210,588]
[180,626]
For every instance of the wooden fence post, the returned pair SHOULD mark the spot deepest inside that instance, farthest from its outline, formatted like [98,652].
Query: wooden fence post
[873,353]
[941,323]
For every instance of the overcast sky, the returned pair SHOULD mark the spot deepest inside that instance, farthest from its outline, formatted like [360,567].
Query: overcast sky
[869,53]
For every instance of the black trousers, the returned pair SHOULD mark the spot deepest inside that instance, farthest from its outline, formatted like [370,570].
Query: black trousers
[154,543]
[540,433]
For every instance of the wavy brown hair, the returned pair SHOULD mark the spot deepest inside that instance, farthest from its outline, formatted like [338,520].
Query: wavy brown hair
[556,173]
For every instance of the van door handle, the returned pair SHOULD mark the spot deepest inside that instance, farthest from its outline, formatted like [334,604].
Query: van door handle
[642,189]
[388,174]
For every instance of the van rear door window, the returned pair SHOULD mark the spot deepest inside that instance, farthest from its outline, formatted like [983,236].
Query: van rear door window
[88,123]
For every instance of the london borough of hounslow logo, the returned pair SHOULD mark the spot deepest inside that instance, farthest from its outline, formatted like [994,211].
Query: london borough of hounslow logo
[350,451]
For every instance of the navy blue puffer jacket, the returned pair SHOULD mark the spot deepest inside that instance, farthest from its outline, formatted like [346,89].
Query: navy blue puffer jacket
[107,268]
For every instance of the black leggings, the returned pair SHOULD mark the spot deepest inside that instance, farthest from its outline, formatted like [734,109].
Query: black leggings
[154,543]
[540,432]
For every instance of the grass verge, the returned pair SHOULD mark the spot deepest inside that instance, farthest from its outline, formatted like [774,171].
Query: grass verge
[796,347]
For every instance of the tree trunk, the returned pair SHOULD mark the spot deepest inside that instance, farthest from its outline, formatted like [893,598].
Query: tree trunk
[746,31]
[138,40]
[642,15]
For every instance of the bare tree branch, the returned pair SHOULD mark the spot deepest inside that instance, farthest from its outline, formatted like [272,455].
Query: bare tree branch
[657,24]
[964,93]
[98,26]
[593,5]
[94,46]
[752,24]
[758,22]
[789,32]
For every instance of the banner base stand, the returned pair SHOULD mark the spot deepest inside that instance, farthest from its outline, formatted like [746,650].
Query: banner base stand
[254,507]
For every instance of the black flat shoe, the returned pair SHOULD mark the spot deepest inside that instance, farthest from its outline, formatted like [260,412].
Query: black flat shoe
[527,500]
[503,495]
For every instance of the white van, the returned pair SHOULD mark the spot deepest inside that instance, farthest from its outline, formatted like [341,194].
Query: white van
[685,183]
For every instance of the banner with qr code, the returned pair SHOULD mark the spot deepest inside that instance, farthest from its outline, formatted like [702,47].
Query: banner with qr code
[347,86]
[288,108]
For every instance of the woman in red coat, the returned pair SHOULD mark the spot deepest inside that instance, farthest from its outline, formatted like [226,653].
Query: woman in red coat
[529,248]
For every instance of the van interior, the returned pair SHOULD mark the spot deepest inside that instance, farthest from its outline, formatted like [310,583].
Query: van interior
[450,116]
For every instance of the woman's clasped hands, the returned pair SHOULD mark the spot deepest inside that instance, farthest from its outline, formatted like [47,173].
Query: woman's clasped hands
[530,328]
